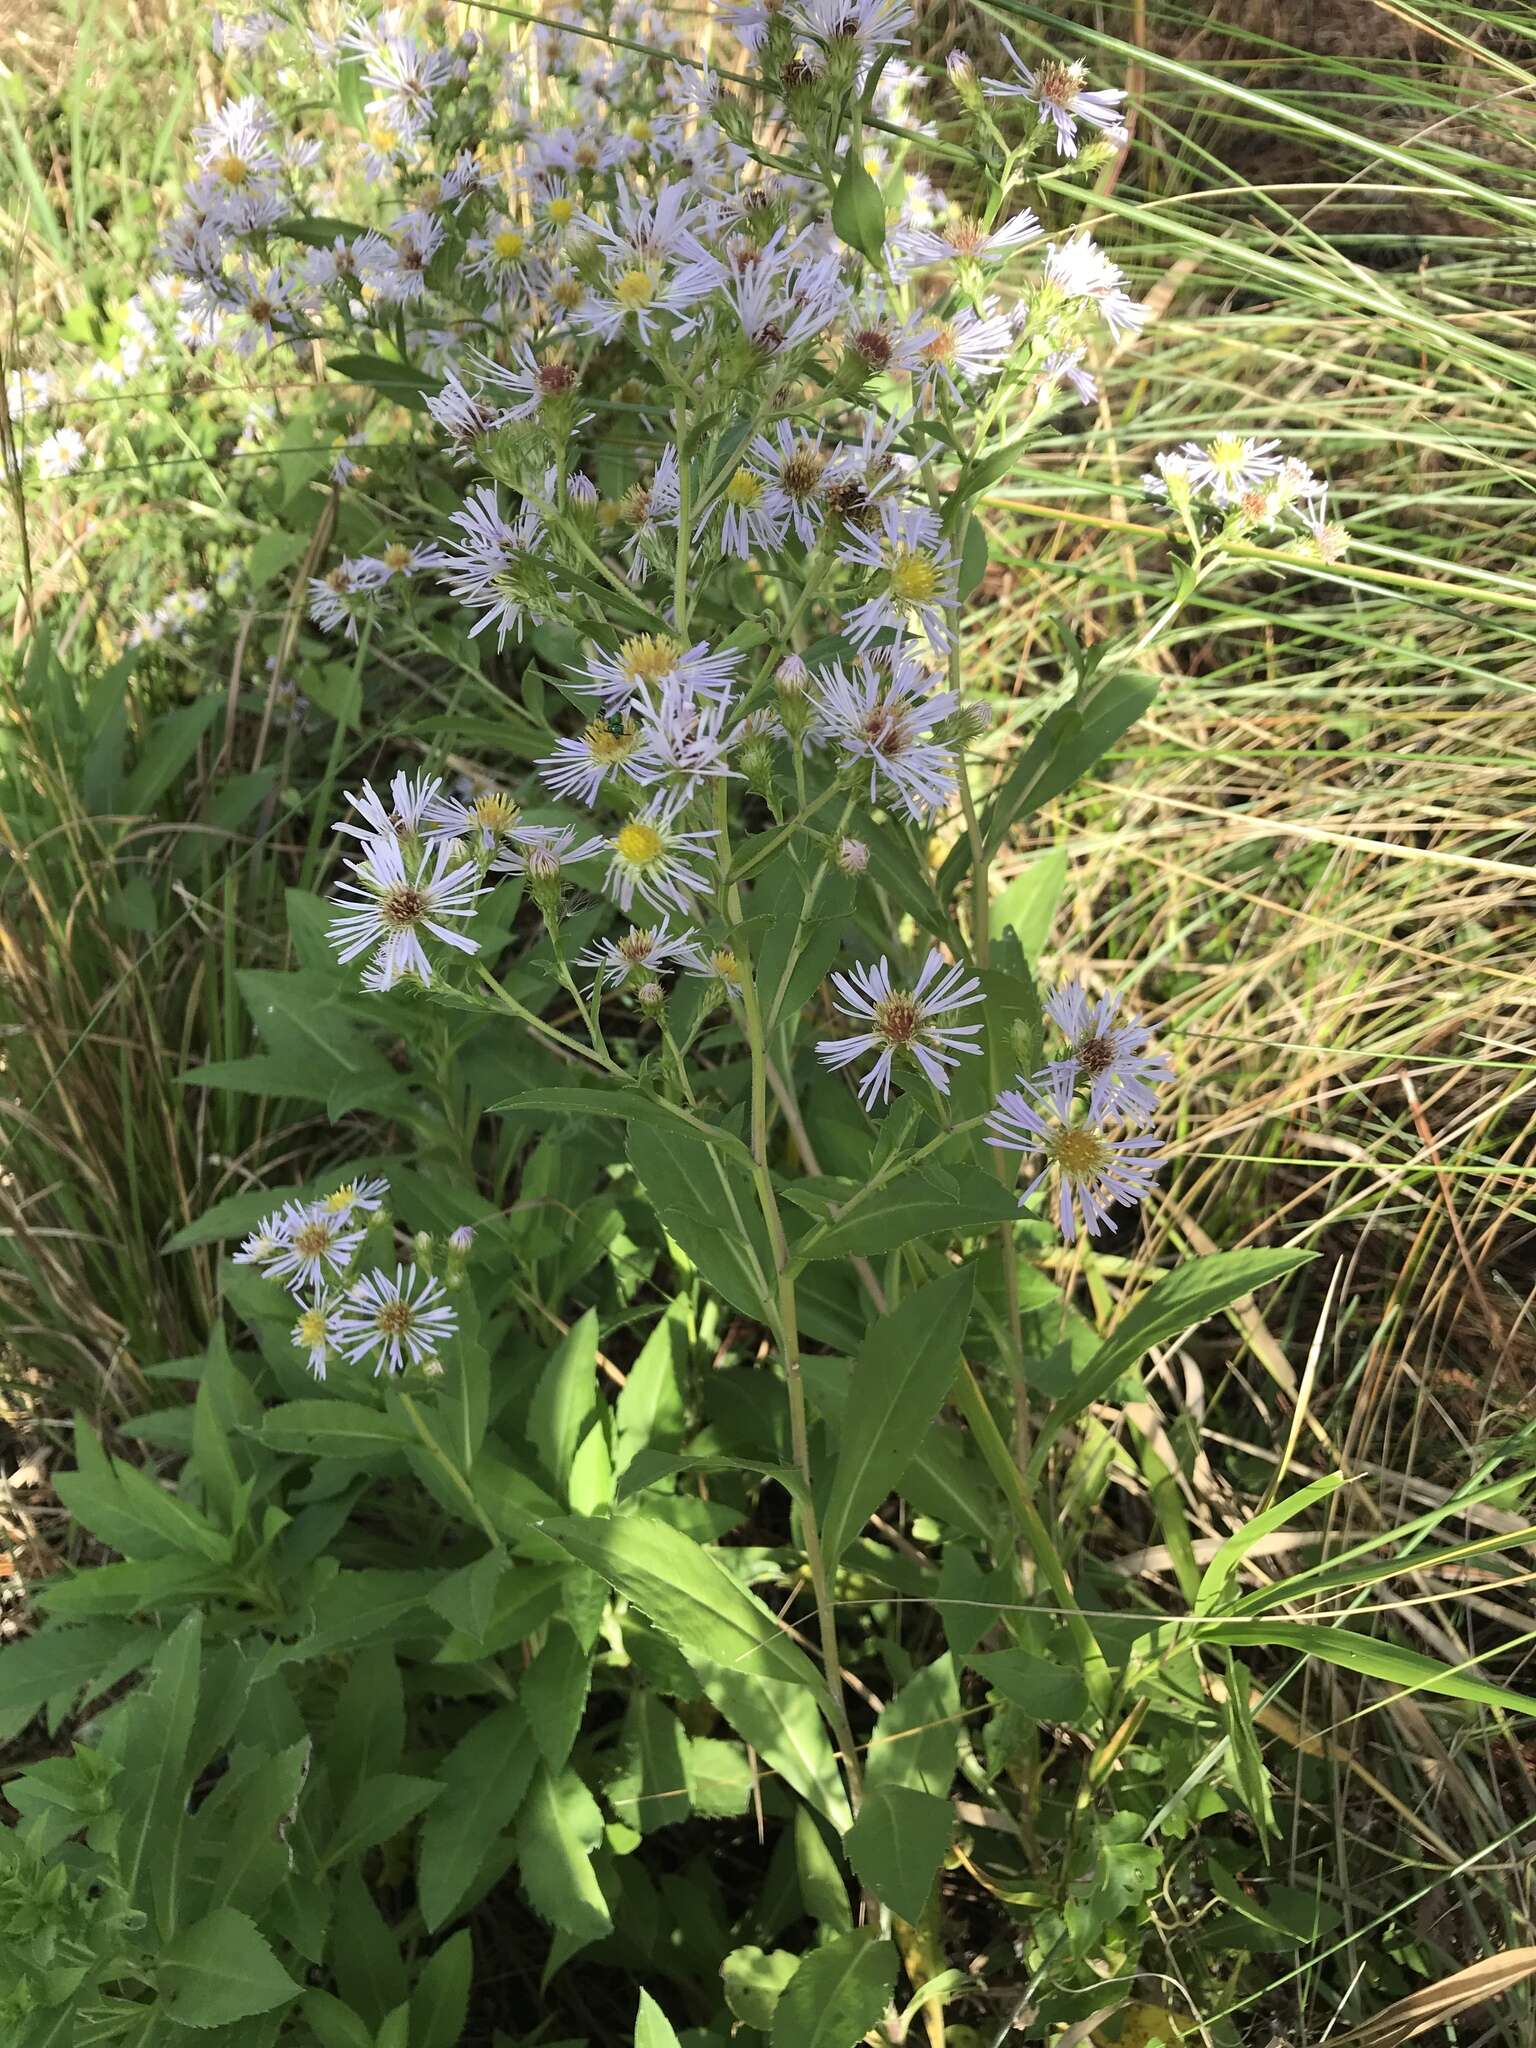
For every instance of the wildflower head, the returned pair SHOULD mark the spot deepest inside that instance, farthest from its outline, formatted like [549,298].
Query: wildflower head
[851,856]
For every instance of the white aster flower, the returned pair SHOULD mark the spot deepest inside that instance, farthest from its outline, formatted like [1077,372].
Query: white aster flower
[534,381]
[393,901]
[907,1023]
[410,798]
[794,467]
[644,952]
[1060,94]
[500,568]
[365,1197]
[962,236]
[541,851]
[401,1320]
[579,767]
[683,742]
[860,25]
[1079,269]
[648,664]
[970,345]
[265,1241]
[1095,1168]
[917,576]
[482,819]
[315,1334]
[59,454]
[1230,466]
[652,857]
[886,716]
[1111,1057]
[317,1246]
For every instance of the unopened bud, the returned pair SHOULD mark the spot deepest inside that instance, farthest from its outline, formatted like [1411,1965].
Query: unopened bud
[968,724]
[852,856]
[422,1248]
[461,1240]
[757,767]
[381,1221]
[581,492]
[652,998]
[791,676]
[964,81]
[433,1368]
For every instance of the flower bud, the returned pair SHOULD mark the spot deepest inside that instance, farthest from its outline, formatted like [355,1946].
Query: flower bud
[968,724]
[652,998]
[852,856]
[757,766]
[461,1240]
[964,81]
[422,1249]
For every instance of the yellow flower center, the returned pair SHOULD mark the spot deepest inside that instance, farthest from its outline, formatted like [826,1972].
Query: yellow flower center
[341,1198]
[649,657]
[311,1326]
[914,578]
[396,1318]
[723,961]
[639,129]
[234,170]
[312,1239]
[396,555]
[567,293]
[898,1019]
[561,212]
[1080,1152]
[744,489]
[508,245]
[638,844]
[495,811]
[634,290]
[384,140]
[1226,451]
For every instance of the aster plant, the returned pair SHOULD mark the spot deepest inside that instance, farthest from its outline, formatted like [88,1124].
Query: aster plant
[714,377]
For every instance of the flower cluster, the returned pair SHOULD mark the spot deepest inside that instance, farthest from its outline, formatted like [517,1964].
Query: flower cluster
[1087,1113]
[717,373]
[1240,485]
[315,1249]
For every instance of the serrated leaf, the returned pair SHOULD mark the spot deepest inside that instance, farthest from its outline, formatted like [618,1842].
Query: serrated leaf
[557,1829]
[333,1429]
[219,1970]
[838,1993]
[484,1779]
[897,1844]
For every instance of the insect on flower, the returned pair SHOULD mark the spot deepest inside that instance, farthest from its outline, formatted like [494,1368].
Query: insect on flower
[1111,1057]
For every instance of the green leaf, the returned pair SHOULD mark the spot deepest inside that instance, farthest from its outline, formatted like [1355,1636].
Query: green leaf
[557,1830]
[152,1792]
[897,1844]
[1219,1572]
[652,2027]
[440,2002]
[858,209]
[484,1780]
[129,1511]
[823,1886]
[916,1739]
[380,1808]
[754,1981]
[709,1205]
[899,1384]
[565,1404]
[57,1662]
[1028,903]
[317,230]
[630,1104]
[1045,1691]
[678,1585]
[171,742]
[333,1429]
[397,381]
[915,1206]
[838,1993]
[649,1412]
[1362,1654]
[220,1969]
[783,1724]
[553,1693]
[1178,1301]
[973,556]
